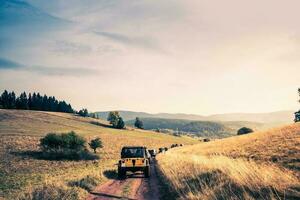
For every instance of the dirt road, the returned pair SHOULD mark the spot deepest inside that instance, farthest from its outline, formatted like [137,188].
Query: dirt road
[135,186]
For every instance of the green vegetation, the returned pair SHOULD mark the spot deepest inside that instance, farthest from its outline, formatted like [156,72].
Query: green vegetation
[66,146]
[244,130]
[83,112]
[184,127]
[8,100]
[138,123]
[96,143]
[115,120]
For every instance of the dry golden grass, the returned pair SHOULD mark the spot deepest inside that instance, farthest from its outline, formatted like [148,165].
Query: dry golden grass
[20,132]
[262,165]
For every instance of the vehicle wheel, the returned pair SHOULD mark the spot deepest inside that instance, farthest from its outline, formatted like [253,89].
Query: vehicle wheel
[121,173]
[147,172]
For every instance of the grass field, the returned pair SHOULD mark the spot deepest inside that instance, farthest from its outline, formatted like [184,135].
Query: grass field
[20,132]
[261,165]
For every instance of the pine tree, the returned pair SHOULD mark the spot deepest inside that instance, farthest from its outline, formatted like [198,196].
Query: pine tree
[22,101]
[11,100]
[5,99]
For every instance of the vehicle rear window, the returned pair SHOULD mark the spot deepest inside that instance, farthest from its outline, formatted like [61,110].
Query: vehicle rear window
[133,153]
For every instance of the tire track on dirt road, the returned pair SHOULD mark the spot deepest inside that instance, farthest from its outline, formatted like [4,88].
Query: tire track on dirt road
[134,187]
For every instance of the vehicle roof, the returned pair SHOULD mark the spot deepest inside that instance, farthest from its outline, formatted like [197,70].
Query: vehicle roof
[133,147]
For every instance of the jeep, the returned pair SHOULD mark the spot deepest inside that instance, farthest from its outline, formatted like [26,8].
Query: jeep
[133,159]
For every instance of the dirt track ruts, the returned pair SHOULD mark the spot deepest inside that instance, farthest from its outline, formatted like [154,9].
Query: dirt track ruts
[135,186]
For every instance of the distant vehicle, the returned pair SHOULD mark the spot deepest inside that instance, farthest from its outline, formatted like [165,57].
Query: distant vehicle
[133,159]
[174,145]
[152,153]
[161,150]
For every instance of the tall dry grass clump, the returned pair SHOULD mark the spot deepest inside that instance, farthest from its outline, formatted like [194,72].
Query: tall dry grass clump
[220,177]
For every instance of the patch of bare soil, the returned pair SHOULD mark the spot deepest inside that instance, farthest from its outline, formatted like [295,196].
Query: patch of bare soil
[135,186]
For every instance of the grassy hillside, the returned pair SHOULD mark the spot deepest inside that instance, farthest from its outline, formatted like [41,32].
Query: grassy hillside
[20,132]
[198,128]
[261,165]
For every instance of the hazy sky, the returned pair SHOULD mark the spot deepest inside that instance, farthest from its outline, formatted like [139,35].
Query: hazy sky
[196,56]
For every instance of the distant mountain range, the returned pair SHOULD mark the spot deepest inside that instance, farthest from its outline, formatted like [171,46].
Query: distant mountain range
[213,126]
[280,117]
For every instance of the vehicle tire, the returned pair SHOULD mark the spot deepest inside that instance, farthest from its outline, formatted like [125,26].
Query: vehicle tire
[121,173]
[147,172]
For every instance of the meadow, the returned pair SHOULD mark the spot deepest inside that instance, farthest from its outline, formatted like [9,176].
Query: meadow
[22,173]
[261,165]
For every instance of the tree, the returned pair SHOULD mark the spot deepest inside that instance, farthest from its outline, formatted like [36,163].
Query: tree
[244,130]
[113,118]
[5,99]
[11,100]
[83,112]
[138,123]
[96,143]
[22,101]
[120,124]
[8,100]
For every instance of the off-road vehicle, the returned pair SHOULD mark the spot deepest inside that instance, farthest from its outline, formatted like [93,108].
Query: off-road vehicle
[133,159]
[152,152]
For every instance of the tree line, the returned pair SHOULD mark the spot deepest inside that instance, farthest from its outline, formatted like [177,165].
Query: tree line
[35,101]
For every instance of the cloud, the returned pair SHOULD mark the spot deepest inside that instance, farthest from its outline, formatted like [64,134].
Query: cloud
[65,47]
[141,42]
[6,64]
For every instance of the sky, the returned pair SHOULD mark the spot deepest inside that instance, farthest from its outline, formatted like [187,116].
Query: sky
[198,56]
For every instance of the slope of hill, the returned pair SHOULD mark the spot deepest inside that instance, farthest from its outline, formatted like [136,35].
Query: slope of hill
[20,132]
[198,128]
[261,165]
[272,118]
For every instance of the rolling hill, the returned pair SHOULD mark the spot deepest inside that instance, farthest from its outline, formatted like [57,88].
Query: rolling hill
[20,131]
[260,165]
[272,118]
[197,128]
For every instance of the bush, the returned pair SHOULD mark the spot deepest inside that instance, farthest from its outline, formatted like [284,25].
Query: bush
[244,130]
[95,143]
[65,146]
[53,142]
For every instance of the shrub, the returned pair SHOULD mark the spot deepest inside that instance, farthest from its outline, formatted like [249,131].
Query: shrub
[65,146]
[95,143]
[244,130]
[53,142]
